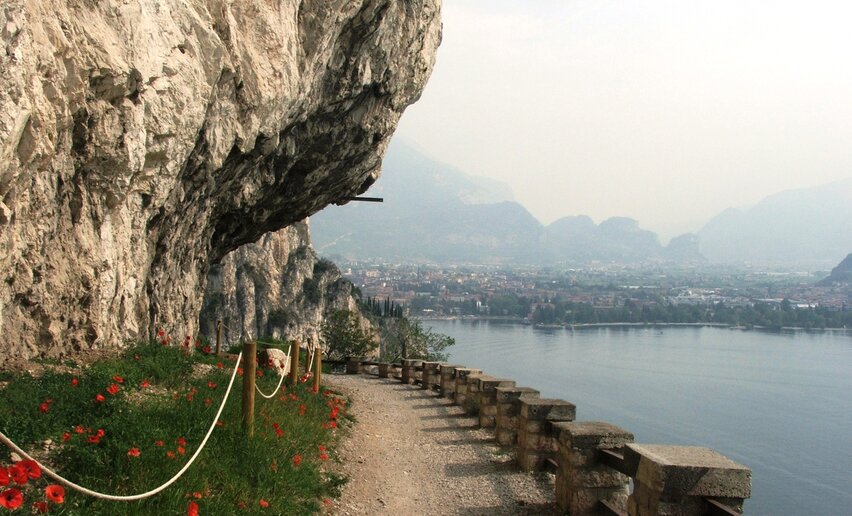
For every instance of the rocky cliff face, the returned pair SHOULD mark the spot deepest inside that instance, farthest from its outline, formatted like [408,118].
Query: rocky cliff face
[275,287]
[140,142]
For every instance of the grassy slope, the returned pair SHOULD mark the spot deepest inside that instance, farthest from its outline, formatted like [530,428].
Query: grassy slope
[232,474]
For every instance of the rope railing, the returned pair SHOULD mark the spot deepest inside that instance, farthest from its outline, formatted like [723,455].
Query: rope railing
[129,498]
[280,380]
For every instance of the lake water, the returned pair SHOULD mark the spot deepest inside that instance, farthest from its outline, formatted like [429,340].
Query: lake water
[779,403]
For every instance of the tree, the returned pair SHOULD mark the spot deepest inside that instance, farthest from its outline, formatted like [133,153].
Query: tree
[402,338]
[344,336]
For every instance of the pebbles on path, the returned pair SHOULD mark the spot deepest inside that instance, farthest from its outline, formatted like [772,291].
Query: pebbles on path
[411,451]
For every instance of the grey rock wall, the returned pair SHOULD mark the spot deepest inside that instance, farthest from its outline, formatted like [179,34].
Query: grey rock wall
[140,142]
[276,287]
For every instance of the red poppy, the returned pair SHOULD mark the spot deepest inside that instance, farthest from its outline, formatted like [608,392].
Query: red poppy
[302,409]
[44,408]
[11,499]
[181,441]
[208,402]
[159,443]
[220,365]
[74,382]
[263,503]
[332,424]
[321,448]
[79,429]
[170,454]
[118,379]
[181,450]
[326,502]
[4,477]
[31,467]
[323,456]
[55,493]
[258,373]
[161,332]
[94,439]
[66,436]
[196,495]
[211,384]
[113,389]
[279,432]
[100,432]
[40,507]
[206,349]
[145,384]
[240,371]
[297,459]
[18,474]
[133,452]
[99,398]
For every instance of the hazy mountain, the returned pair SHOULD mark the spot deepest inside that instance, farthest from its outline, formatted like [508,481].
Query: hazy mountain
[435,212]
[810,225]
[842,274]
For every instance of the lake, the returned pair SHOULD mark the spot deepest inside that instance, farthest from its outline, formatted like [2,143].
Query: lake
[780,403]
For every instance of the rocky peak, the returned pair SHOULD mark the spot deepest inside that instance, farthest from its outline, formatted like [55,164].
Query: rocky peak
[142,142]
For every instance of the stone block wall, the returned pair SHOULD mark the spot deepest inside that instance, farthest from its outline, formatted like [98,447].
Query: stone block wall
[595,460]
[582,481]
[536,442]
[509,412]
[488,399]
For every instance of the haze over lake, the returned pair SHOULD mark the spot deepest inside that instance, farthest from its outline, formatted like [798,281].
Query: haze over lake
[778,403]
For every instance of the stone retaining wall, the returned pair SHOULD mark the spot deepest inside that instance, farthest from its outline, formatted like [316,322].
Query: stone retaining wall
[594,461]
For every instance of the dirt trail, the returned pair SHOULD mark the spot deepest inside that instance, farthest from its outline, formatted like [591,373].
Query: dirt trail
[413,452]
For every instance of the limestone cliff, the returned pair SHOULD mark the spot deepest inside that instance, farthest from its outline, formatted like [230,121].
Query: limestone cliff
[140,142]
[274,287]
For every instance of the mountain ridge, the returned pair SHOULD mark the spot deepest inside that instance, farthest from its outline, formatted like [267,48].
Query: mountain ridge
[435,212]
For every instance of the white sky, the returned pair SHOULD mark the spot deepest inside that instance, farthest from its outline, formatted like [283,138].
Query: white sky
[664,111]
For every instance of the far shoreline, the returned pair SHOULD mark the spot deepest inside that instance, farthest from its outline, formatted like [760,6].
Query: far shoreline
[522,322]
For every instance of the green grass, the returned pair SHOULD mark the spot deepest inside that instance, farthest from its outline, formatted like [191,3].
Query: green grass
[232,474]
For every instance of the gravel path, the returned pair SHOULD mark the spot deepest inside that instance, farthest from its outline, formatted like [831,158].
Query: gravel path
[413,452]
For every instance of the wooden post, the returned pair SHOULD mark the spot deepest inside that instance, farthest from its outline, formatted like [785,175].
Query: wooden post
[294,363]
[308,354]
[219,337]
[317,368]
[249,372]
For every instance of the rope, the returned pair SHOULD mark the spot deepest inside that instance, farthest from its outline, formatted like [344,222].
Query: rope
[129,498]
[280,380]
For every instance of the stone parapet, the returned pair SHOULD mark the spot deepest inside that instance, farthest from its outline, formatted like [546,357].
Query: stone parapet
[353,365]
[462,375]
[408,373]
[384,370]
[430,375]
[582,481]
[536,442]
[508,412]
[471,399]
[675,480]
[448,380]
[488,399]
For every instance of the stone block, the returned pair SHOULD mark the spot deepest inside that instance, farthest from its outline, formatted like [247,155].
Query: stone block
[384,370]
[510,394]
[538,409]
[584,435]
[486,421]
[678,471]
[353,365]
[505,436]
